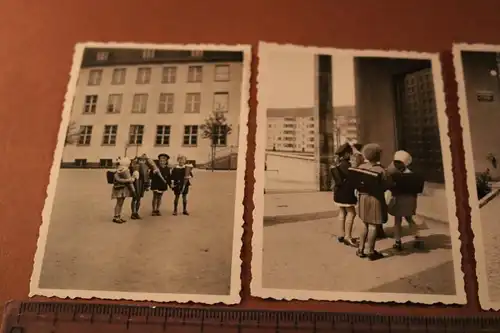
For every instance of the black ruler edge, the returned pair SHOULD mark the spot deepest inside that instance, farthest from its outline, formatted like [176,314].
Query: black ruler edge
[15,309]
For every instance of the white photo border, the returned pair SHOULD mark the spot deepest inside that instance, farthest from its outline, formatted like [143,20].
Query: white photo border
[257,242]
[236,262]
[479,255]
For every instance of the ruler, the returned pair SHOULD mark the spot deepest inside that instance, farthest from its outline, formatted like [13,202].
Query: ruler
[77,317]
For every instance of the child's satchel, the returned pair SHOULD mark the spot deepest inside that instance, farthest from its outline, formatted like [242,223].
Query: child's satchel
[110,177]
[367,181]
[409,183]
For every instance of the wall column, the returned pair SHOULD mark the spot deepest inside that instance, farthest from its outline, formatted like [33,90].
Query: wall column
[325,120]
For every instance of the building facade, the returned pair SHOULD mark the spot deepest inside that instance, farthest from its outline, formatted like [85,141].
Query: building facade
[129,102]
[291,130]
[482,84]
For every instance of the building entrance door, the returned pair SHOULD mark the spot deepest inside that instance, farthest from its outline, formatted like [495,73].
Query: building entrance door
[417,123]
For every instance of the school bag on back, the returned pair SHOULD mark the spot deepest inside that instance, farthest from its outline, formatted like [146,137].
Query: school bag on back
[110,177]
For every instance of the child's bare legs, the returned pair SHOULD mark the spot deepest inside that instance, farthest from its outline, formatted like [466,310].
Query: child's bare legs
[118,210]
[156,203]
[346,217]
[342,217]
[362,240]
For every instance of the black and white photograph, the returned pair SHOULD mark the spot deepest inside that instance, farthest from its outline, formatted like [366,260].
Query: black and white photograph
[354,190]
[478,76]
[146,188]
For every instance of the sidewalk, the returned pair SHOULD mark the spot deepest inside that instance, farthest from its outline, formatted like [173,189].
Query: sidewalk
[304,206]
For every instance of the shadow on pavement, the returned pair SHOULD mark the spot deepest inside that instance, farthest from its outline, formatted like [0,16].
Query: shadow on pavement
[281,219]
[430,243]
[424,282]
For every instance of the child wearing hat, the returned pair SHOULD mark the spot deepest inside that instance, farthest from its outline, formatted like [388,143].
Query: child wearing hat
[372,207]
[344,195]
[159,185]
[402,205]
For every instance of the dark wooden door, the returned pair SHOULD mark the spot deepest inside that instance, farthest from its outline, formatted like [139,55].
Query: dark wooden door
[417,124]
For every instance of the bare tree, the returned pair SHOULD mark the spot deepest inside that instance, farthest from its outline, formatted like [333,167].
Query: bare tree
[216,129]
[72,134]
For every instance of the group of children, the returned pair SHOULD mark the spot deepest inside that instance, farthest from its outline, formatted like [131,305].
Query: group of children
[389,198]
[133,178]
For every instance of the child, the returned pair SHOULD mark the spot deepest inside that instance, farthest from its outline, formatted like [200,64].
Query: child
[140,186]
[122,187]
[402,204]
[180,176]
[158,186]
[372,206]
[343,194]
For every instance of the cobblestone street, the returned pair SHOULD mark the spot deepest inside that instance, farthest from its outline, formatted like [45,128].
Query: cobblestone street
[167,254]
[301,252]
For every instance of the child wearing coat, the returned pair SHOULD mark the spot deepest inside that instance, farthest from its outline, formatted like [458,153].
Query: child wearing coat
[158,186]
[372,207]
[122,187]
[344,195]
[180,178]
[402,205]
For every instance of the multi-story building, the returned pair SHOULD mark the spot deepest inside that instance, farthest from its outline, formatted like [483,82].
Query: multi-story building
[129,102]
[291,130]
[295,129]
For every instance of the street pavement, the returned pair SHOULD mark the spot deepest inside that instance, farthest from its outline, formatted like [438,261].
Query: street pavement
[490,225]
[167,254]
[301,252]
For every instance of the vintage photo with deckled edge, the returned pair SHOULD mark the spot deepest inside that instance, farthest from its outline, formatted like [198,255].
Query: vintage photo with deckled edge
[300,250]
[477,68]
[142,126]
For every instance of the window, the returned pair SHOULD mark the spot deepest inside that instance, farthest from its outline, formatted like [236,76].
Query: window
[220,135]
[118,76]
[143,75]
[193,101]
[166,104]
[114,103]
[95,76]
[106,162]
[136,134]
[195,73]
[169,75]
[80,162]
[148,54]
[90,105]
[221,102]
[162,135]
[102,56]
[190,135]
[139,103]
[85,135]
[197,53]
[221,73]
[109,135]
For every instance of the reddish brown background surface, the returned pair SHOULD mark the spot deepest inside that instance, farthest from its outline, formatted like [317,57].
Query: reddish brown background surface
[37,39]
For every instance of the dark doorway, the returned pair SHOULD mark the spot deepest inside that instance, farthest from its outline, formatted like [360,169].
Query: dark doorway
[417,124]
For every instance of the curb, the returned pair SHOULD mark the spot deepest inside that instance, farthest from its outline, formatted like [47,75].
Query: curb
[490,196]
[270,220]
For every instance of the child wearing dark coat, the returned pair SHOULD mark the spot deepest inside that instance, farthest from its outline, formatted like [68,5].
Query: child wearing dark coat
[372,207]
[180,178]
[158,185]
[402,205]
[344,195]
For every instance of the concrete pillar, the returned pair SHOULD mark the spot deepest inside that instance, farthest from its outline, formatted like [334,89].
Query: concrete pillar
[325,146]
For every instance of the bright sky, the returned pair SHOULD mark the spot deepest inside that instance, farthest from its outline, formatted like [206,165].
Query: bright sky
[292,80]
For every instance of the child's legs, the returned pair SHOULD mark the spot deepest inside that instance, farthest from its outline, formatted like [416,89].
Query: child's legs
[349,221]
[159,195]
[372,237]
[342,216]
[137,204]
[398,220]
[176,201]
[119,206]
[363,237]
[413,226]
[133,205]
